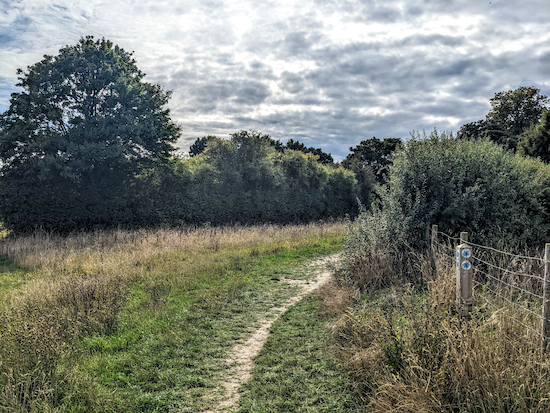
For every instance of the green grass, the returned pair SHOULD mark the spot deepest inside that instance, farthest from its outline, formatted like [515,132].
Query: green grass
[295,371]
[12,276]
[169,352]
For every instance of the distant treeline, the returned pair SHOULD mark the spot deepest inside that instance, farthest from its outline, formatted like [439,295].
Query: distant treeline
[89,144]
[247,178]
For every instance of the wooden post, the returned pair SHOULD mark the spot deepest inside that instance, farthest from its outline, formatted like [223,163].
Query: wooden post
[434,236]
[433,243]
[464,295]
[546,301]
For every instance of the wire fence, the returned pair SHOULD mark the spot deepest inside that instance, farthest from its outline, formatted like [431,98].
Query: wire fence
[512,284]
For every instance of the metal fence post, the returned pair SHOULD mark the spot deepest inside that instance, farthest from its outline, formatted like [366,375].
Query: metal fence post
[464,295]
[546,301]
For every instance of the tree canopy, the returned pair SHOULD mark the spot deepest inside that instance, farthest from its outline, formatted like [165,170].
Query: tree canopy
[200,145]
[512,113]
[375,154]
[83,128]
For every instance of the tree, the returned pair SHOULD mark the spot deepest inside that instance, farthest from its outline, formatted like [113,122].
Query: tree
[513,112]
[75,140]
[370,161]
[535,141]
[322,157]
[200,144]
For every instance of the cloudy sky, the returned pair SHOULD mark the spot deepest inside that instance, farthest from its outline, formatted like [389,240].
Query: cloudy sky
[329,73]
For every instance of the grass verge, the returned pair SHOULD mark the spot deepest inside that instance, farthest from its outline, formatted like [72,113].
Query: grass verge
[406,351]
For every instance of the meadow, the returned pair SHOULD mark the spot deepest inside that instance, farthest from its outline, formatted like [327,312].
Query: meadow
[142,320]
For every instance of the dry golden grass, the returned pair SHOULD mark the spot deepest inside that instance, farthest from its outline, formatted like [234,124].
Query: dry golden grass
[131,254]
[409,353]
[336,296]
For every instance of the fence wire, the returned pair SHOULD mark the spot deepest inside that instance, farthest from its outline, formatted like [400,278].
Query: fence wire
[496,307]
[536,277]
[495,284]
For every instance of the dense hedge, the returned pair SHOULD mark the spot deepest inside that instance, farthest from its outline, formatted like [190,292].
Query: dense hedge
[243,179]
[246,180]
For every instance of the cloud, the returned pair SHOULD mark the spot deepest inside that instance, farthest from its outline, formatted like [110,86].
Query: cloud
[329,73]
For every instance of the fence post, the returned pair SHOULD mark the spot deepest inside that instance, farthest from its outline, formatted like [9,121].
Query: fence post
[433,243]
[464,296]
[546,300]
[435,228]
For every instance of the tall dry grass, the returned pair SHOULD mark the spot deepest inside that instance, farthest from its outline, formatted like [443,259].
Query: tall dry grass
[406,351]
[78,285]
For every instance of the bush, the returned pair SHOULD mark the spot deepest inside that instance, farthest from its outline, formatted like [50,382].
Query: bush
[474,186]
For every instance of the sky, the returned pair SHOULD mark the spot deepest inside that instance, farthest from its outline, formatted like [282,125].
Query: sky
[329,73]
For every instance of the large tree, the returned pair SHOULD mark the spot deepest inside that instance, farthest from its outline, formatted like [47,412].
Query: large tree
[512,113]
[74,140]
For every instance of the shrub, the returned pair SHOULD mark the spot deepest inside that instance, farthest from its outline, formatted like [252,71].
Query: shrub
[474,186]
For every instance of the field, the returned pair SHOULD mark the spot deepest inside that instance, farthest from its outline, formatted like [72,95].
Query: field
[232,319]
[144,321]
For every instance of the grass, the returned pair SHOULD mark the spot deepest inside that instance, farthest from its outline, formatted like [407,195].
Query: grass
[177,300]
[296,371]
[406,351]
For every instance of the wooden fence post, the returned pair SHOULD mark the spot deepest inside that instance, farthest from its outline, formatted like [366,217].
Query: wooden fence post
[435,228]
[433,243]
[546,301]
[464,296]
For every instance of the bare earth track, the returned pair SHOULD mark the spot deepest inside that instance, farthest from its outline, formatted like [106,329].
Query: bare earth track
[242,355]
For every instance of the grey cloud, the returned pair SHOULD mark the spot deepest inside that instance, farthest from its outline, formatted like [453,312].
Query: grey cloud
[385,14]
[220,75]
[291,82]
[252,93]
[299,43]
[453,68]
[431,39]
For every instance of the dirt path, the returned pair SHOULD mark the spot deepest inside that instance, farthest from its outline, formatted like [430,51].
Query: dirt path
[242,354]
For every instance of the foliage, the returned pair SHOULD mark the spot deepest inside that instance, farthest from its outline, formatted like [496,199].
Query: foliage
[535,141]
[324,158]
[248,179]
[375,154]
[460,185]
[200,145]
[73,142]
[513,112]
